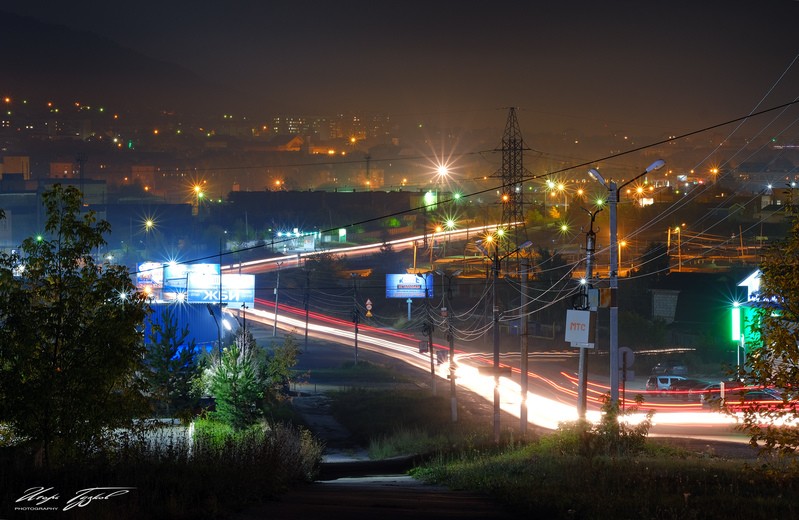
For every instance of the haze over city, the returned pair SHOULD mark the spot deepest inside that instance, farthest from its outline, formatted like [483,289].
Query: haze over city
[638,68]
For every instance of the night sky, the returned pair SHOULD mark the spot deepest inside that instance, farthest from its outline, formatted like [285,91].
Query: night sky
[638,66]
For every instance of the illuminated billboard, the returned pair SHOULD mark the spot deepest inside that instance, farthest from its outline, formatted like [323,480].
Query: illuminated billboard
[409,285]
[176,277]
[237,289]
[149,274]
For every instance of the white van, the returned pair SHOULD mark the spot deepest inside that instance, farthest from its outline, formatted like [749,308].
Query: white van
[661,383]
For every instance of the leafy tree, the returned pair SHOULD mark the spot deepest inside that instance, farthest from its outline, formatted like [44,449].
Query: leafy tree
[324,267]
[71,343]
[553,269]
[277,367]
[774,362]
[654,263]
[171,366]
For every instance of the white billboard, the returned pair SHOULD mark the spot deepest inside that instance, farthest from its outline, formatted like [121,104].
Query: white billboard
[236,289]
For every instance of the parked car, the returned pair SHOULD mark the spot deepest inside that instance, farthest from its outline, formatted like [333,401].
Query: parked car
[710,394]
[670,367]
[662,383]
[681,388]
[757,398]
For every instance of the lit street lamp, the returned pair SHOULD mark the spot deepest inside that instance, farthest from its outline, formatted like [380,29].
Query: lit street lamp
[613,200]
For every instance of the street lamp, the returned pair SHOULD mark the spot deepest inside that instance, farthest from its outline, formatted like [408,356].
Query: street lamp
[218,329]
[495,278]
[613,200]
[622,243]
[451,340]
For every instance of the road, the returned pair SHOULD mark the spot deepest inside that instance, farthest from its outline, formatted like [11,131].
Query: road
[295,259]
[552,382]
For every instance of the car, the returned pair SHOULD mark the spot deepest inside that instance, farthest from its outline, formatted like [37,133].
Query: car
[710,394]
[662,383]
[752,399]
[670,367]
[681,388]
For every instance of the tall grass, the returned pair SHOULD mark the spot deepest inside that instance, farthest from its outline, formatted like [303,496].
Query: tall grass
[205,474]
[555,477]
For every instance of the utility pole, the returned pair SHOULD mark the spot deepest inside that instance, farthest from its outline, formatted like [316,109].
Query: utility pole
[523,274]
[495,327]
[307,301]
[356,317]
[429,329]
[582,375]
[277,285]
[445,311]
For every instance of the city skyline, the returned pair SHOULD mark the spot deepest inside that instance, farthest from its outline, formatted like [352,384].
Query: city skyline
[628,67]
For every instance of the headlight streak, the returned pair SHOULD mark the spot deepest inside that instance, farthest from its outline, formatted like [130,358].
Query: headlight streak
[546,412]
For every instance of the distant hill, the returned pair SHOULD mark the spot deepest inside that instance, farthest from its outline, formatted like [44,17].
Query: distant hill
[40,60]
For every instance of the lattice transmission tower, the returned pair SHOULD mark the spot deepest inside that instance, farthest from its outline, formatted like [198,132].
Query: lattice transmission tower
[512,174]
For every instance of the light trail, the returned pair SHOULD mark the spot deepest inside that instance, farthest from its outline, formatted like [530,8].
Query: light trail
[294,260]
[543,411]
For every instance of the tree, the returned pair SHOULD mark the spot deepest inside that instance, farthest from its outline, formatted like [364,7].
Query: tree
[246,378]
[774,361]
[277,367]
[234,382]
[71,343]
[170,366]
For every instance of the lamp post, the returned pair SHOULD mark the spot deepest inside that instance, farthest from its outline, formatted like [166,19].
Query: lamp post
[495,326]
[453,400]
[218,329]
[613,200]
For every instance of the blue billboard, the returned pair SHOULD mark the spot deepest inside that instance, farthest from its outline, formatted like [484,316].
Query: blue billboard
[409,285]
[236,289]
[176,277]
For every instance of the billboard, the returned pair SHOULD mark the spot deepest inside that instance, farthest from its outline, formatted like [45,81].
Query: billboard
[409,285]
[176,277]
[149,274]
[237,289]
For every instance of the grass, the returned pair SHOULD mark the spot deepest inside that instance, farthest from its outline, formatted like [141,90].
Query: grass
[210,474]
[403,422]
[575,473]
[538,479]
[354,374]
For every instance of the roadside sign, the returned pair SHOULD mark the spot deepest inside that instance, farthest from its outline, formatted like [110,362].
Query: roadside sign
[579,326]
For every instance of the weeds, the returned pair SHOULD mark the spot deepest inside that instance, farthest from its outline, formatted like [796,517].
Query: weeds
[177,473]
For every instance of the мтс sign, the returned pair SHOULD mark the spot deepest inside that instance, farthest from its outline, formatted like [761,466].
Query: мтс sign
[578,326]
